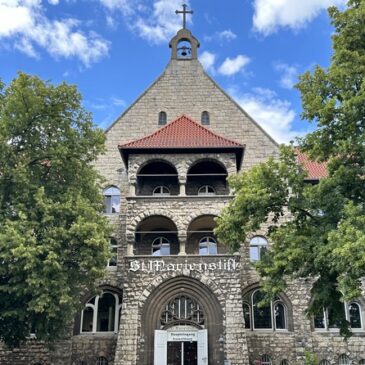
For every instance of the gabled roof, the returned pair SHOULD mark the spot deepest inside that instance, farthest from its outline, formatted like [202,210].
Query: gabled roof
[182,132]
[316,170]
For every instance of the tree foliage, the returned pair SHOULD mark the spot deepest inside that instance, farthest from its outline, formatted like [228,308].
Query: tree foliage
[317,230]
[53,239]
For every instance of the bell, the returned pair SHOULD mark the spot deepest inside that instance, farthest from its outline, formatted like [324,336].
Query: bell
[184,52]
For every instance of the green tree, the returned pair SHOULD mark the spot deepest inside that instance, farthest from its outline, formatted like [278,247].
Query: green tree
[324,239]
[53,239]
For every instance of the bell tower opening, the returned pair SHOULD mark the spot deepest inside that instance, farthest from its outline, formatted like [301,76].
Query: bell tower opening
[184,45]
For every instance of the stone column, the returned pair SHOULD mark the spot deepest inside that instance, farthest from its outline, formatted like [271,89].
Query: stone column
[132,188]
[130,244]
[182,239]
[182,183]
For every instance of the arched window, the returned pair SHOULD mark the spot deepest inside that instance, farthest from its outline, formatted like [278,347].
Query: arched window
[101,361]
[111,200]
[266,360]
[324,362]
[112,262]
[160,247]
[343,360]
[161,190]
[162,118]
[262,315]
[101,313]
[205,118]
[280,315]
[207,246]
[206,190]
[258,247]
[284,362]
[354,314]
[182,309]
[271,316]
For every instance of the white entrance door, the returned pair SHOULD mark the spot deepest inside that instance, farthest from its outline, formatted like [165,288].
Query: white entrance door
[160,348]
[203,347]
[182,339]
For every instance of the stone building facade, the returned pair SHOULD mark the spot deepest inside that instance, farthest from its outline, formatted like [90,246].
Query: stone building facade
[172,293]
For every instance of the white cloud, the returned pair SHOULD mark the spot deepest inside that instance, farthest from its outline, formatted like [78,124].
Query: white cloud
[207,59]
[231,66]
[125,6]
[227,35]
[53,2]
[156,24]
[269,15]
[25,21]
[289,75]
[274,115]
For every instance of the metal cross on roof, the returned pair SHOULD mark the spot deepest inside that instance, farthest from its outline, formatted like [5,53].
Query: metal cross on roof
[184,12]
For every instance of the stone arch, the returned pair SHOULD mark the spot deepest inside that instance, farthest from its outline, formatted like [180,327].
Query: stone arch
[132,226]
[213,211]
[160,291]
[194,162]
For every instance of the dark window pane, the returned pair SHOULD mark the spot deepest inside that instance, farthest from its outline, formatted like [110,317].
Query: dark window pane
[87,320]
[106,313]
[247,315]
[262,314]
[279,311]
[319,322]
[355,316]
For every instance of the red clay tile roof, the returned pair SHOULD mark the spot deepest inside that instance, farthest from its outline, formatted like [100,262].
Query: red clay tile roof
[182,132]
[316,170]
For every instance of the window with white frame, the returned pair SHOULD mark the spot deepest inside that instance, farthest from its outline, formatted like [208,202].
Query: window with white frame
[111,200]
[362,362]
[266,360]
[160,247]
[161,190]
[258,247]
[344,360]
[112,262]
[272,316]
[206,190]
[208,246]
[101,361]
[101,313]
[352,313]
[284,362]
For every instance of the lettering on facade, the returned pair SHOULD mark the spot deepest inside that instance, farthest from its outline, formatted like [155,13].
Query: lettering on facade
[162,266]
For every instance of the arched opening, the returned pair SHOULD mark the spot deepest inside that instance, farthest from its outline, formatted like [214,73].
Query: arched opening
[183,51]
[181,304]
[162,118]
[201,239]
[205,119]
[207,176]
[111,200]
[156,236]
[157,178]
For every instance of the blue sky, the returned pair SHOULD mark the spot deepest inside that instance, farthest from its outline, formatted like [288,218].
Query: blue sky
[114,49]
